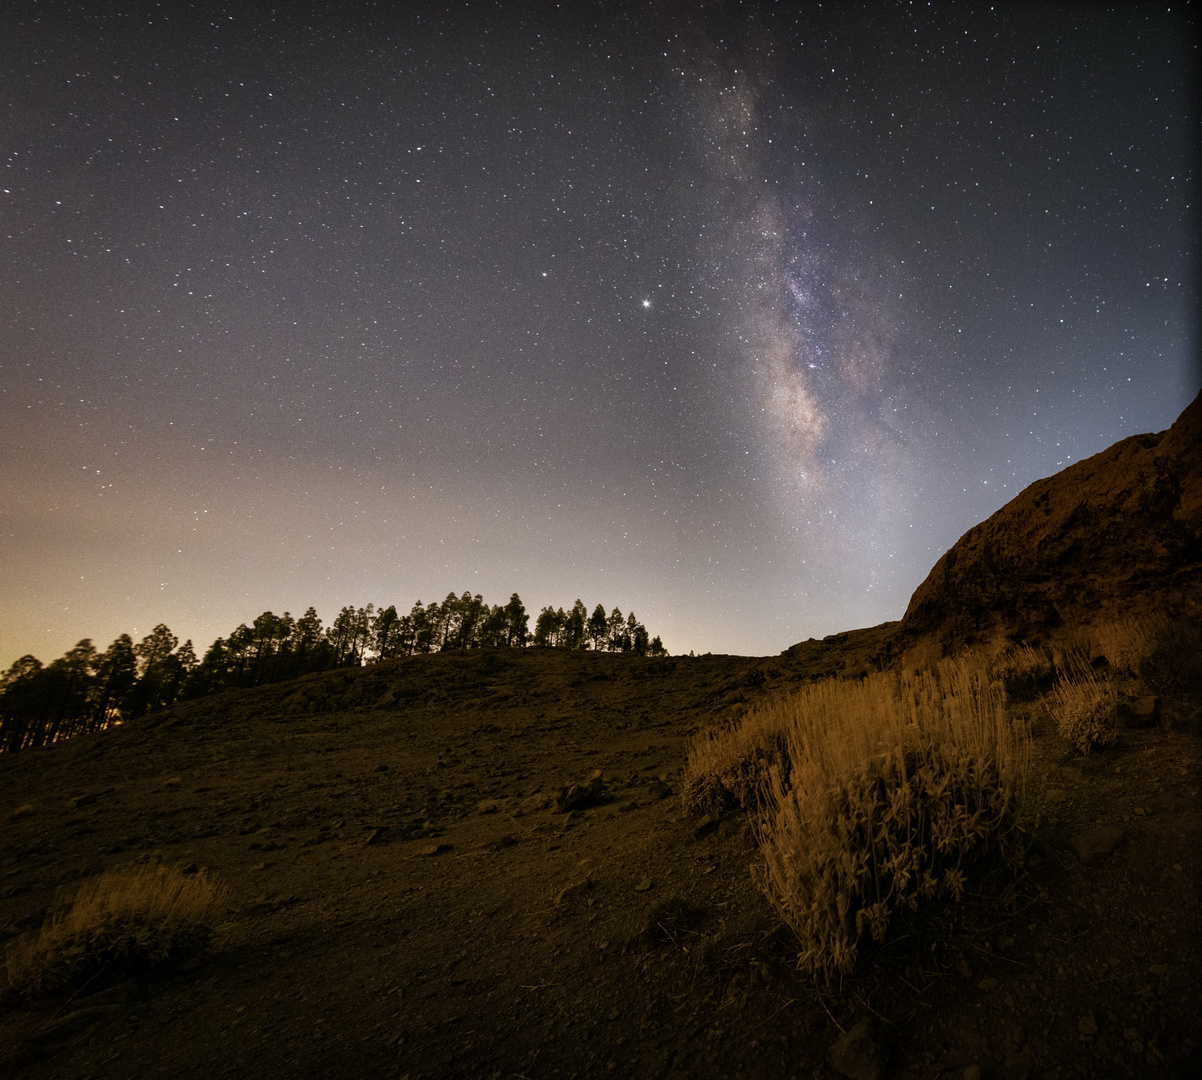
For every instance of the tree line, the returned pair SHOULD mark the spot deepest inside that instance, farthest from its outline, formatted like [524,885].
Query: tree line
[86,690]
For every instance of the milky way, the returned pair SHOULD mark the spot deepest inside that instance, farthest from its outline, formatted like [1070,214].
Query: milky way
[733,318]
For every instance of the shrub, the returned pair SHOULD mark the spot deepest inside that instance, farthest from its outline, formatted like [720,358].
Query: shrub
[122,920]
[1083,702]
[899,786]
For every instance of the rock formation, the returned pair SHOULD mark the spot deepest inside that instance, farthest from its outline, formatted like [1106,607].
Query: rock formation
[1118,533]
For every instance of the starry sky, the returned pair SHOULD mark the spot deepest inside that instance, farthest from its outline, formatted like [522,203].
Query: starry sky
[736,315]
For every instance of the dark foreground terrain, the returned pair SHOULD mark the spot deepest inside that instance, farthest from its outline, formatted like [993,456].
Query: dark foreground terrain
[407,900]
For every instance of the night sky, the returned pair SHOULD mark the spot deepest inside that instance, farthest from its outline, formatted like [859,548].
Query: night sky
[733,315]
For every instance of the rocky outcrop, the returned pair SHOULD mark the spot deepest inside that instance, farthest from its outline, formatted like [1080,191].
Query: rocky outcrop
[1118,533]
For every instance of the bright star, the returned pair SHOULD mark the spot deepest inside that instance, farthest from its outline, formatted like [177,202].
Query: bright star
[646,303]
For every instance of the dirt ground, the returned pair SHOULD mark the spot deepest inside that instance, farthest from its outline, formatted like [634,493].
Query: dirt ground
[408,899]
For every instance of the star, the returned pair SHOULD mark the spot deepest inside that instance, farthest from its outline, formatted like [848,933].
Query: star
[646,303]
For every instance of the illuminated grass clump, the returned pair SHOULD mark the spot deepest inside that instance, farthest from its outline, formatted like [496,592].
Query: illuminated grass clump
[123,920]
[886,792]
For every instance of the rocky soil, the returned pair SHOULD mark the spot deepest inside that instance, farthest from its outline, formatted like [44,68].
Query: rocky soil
[415,894]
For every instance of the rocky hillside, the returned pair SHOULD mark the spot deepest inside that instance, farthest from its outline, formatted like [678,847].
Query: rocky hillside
[476,864]
[1118,533]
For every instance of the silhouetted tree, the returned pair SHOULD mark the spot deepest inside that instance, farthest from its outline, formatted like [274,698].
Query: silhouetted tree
[615,627]
[116,673]
[446,626]
[494,630]
[517,622]
[309,652]
[79,666]
[547,627]
[424,625]
[155,646]
[18,705]
[598,627]
[39,705]
[213,673]
[576,627]
[270,641]
[471,615]
[385,633]
[160,673]
[239,649]
[349,633]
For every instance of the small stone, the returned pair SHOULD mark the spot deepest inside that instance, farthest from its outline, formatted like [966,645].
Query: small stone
[434,849]
[971,1072]
[84,800]
[531,804]
[1130,1034]
[592,792]
[860,1054]
[574,891]
[987,984]
[1139,811]
[706,825]
[487,806]
[963,968]
[1145,711]
[172,782]
[1088,1025]
[657,789]
[1093,845]
[23,811]
[644,885]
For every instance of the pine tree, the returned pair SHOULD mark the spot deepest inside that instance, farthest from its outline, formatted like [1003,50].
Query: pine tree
[598,627]
[576,627]
[545,628]
[614,628]
[517,622]
[386,633]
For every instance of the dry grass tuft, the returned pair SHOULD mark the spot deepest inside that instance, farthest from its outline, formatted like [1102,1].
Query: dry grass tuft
[1166,654]
[123,919]
[1127,643]
[1024,671]
[1083,702]
[899,785]
[730,767]
[873,794]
